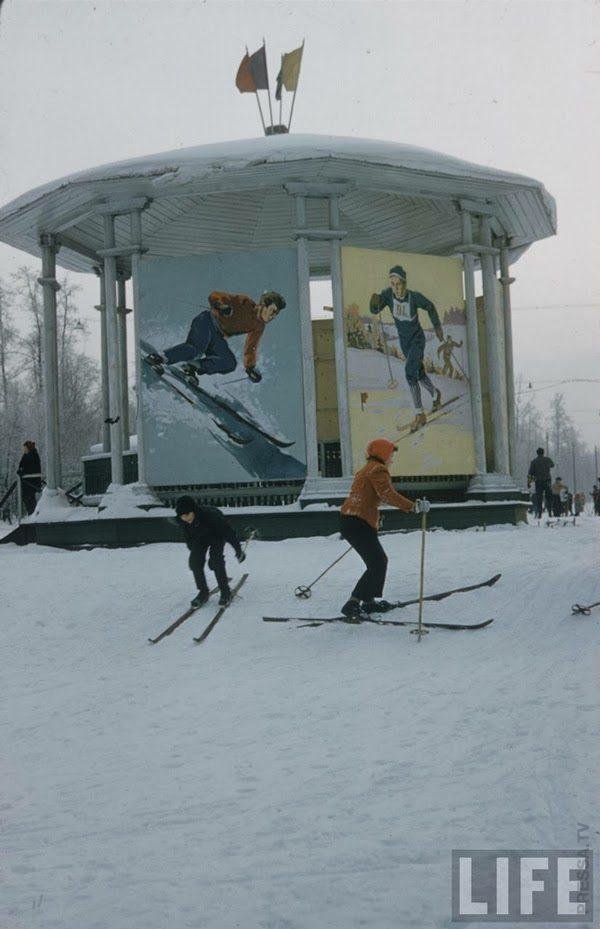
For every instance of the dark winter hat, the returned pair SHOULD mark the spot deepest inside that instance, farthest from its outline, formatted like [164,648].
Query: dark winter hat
[399,270]
[540,451]
[185,505]
[271,296]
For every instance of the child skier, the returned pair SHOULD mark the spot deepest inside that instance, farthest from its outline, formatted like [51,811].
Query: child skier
[207,530]
[359,522]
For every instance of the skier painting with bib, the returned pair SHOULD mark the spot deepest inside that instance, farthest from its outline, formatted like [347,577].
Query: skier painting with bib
[404,305]
[205,350]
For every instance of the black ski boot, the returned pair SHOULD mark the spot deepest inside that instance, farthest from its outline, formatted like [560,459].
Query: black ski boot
[376,606]
[200,599]
[191,373]
[156,362]
[351,610]
[225,598]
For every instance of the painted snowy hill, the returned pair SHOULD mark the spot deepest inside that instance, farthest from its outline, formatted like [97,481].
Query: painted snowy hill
[286,778]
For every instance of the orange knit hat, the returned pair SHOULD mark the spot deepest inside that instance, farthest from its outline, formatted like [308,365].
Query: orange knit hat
[381,448]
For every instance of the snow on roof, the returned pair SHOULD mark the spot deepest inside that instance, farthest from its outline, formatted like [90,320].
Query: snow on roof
[180,166]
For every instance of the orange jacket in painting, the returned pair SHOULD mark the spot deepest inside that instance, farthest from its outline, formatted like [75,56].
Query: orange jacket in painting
[371,487]
[236,314]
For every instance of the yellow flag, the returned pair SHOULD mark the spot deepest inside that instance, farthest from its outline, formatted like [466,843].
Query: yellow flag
[289,71]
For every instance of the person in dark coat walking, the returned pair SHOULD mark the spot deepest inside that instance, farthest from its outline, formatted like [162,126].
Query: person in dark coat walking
[30,486]
[539,475]
[207,531]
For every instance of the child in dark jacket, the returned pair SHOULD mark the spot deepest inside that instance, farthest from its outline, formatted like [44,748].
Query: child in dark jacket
[206,531]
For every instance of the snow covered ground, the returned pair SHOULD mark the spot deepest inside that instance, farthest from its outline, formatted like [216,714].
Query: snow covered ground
[279,777]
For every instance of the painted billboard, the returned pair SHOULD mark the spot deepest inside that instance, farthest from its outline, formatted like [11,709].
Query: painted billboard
[407,359]
[221,368]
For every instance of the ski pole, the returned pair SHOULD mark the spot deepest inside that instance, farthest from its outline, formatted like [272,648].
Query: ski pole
[461,369]
[392,383]
[421,630]
[579,610]
[305,593]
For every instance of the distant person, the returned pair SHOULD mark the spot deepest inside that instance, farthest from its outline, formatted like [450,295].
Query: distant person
[558,488]
[539,475]
[30,486]
[579,502]
[596,499]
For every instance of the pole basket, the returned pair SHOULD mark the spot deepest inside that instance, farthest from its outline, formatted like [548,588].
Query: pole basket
[304,593]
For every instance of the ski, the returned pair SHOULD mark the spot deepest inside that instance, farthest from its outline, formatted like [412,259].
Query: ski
[396,605]
[180,619]
[220,612]
[400,604]
[365,618]
[431,417]
[578,610]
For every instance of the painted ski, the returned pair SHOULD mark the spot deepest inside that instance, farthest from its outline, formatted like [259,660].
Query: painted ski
[431,417]
[219,613]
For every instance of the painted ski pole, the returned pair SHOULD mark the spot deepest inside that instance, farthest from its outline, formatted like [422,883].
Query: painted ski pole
[421,630]
[392,383]
[305,592]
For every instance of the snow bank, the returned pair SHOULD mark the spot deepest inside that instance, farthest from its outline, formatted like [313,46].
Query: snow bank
[281,777]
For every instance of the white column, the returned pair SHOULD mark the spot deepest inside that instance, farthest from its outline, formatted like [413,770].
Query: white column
[506,280]
[136,240]
[339,333]
[101,307]
[306,337]
[50,361]
[495,354]
[122,312]
[112,332]
[473,346]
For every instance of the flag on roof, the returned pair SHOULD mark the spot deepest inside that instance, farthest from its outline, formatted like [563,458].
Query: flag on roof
[289,71]
[252,73]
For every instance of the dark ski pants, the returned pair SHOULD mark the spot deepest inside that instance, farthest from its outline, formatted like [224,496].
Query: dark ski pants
[206,345]
[543,493]
[413,349]
[363,539]
[216,562]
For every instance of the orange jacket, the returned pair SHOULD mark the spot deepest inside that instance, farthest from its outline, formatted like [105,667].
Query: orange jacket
[372,485]
[236,314]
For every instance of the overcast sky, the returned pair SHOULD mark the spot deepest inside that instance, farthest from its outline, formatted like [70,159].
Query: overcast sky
[514,85]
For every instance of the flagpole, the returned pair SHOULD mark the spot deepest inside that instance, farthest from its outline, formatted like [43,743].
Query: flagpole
[281,98]
[296,88]
[258,101]
[268,87]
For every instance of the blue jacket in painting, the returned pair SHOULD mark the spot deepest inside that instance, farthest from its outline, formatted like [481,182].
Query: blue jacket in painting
[405,310]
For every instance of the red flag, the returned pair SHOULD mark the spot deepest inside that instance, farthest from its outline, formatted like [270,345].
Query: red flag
[252,73]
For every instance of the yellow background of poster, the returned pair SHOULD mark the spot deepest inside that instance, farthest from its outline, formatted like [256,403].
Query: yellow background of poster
[445,445]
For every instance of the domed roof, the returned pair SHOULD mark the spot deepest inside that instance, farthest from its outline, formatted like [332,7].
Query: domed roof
[395,196]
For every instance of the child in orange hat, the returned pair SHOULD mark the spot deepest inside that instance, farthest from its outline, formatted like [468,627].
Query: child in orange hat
[359,522]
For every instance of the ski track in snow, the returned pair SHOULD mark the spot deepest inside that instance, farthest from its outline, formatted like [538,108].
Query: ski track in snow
[285,778]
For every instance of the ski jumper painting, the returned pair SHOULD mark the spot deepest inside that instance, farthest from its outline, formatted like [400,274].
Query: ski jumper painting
[404,305]
[222,368]
[206,348]
[407,363]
